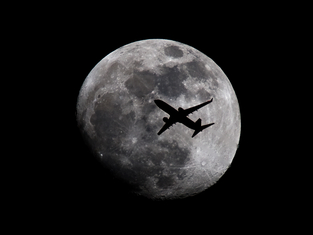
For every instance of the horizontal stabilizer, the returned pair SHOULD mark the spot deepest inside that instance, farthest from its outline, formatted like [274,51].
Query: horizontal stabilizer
[201,128]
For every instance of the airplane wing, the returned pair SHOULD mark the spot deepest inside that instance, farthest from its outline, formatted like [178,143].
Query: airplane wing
[166,126]
[195,108]
[165,107]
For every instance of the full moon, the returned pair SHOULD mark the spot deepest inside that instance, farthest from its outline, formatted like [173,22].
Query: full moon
[119,119]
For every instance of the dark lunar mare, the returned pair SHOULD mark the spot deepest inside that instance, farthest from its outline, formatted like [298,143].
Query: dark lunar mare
[197,70]
[173,51]
[141,83]
[170,82]
[111,134]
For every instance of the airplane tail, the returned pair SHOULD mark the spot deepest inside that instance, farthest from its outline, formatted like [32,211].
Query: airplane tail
[200,128]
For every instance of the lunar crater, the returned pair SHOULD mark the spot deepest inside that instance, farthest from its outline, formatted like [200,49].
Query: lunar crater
[173,51]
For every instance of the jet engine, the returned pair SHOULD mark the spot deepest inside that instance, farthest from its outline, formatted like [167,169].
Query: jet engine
[181,110]
[165,119]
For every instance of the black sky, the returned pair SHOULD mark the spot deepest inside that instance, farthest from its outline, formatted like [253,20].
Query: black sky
[72,184]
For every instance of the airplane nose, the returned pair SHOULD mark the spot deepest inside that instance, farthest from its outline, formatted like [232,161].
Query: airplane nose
[157,102]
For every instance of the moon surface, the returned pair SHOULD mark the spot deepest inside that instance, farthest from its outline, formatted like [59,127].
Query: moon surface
[119,120]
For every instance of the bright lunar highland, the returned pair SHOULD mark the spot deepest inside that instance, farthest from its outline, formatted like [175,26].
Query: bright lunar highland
[119,119]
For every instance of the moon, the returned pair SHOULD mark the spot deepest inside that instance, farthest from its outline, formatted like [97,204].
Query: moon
[119,119]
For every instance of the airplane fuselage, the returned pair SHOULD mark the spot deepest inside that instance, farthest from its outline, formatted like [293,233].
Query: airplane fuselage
[180,116]
[186,121]
[175,115]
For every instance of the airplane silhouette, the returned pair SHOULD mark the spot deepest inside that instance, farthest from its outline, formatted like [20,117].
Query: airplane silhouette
[181,116]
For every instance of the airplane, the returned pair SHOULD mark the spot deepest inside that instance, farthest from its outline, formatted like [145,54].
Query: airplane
[181,116]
